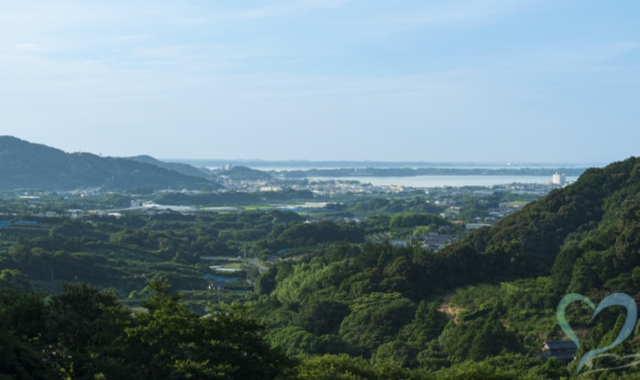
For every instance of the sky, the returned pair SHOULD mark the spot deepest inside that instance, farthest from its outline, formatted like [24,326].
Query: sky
[394,80]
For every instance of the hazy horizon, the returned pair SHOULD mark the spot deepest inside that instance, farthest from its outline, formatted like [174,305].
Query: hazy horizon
[306,163]
[376,163]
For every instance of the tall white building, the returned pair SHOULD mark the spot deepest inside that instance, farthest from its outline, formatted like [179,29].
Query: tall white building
[558,179]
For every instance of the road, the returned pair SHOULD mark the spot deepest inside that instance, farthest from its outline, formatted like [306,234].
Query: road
[256,264]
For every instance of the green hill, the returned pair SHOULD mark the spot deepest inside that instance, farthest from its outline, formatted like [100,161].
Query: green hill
[596,200]
[180,168]
[24,165]
[244,173]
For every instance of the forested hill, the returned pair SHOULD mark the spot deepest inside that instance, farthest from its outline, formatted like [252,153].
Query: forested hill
[178,167]
[597,199]
[24,165]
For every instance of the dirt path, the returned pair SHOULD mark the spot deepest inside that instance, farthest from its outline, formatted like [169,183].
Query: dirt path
[451,311]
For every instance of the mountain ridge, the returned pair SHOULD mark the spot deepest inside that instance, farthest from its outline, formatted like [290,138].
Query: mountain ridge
[175,166]
[542,227]
[25,165]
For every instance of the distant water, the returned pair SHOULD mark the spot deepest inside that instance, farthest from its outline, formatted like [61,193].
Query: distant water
[268,168]
[446,180]
[306,165]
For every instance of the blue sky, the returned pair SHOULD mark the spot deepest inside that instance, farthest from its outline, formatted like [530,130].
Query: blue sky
[483,80]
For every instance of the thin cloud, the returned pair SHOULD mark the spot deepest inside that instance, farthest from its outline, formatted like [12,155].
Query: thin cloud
[136,37]
[572,58]
[291,7]
[448,13]
[28,47]
[612,51]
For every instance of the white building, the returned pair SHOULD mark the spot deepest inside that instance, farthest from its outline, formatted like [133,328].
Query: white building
[396,188]
[269,188]
[558,179]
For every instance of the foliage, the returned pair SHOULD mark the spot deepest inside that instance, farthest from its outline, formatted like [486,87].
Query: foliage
[542,226]
[408,220]
[83,333]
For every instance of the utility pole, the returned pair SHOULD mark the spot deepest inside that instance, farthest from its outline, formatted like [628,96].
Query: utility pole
[246,262]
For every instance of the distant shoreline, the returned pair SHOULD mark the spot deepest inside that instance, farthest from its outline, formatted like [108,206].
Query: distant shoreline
[334,165]
[408,172]
[352,169]
[419,172]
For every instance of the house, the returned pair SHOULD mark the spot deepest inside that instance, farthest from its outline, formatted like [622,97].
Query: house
[564,350]
[436,241]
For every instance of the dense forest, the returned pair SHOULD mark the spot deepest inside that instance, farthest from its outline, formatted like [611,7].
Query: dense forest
[498,288]
[99,297]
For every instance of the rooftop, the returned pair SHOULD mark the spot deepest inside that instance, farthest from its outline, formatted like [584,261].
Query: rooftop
[560,345]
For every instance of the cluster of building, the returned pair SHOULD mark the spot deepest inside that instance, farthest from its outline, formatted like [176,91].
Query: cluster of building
[319,187]
[433,240]
[448,197]
[337,187]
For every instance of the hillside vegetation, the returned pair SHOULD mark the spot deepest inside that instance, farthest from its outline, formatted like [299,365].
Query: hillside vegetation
[599,199]
[177,167]
[504,282]
[24,165]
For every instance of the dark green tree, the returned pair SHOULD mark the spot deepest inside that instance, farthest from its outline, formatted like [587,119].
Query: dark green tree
[171,342]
